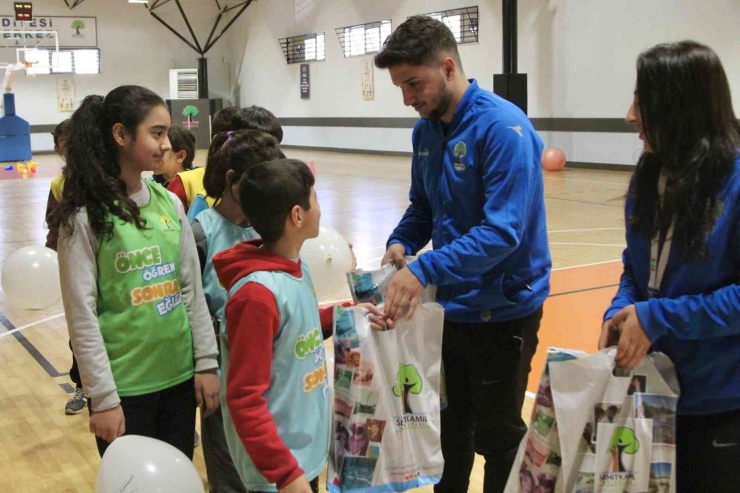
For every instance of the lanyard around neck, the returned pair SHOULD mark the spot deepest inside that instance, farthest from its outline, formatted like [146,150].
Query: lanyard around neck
[660,251]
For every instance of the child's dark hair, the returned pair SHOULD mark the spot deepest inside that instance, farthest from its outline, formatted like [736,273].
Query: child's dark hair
[269,191]
[237,151]
[222,121]
[92,170]
[257,118]
[420,40]
[60,131]
[183,139]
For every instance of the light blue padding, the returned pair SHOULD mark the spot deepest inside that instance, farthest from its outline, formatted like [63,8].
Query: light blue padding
[197,206]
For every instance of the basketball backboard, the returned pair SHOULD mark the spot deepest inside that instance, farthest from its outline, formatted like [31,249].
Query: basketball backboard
[37,50]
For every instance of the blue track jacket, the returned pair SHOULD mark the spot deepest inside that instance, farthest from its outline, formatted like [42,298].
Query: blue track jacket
[477,193]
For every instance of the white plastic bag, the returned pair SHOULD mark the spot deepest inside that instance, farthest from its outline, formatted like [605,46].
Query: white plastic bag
[386,430]
[592,431]
[369,286]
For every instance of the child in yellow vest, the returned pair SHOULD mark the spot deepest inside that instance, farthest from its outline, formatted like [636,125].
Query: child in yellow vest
[189,183]
[179,159]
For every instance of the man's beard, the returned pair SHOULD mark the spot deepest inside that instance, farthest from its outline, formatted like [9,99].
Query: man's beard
[443,103]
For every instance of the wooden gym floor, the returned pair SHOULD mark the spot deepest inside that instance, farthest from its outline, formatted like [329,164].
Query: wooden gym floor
[363,197]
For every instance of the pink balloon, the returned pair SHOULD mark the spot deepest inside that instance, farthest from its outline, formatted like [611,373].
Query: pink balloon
[553,159]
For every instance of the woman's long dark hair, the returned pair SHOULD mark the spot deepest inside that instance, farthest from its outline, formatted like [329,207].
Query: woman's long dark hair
[92,169]
[688,121]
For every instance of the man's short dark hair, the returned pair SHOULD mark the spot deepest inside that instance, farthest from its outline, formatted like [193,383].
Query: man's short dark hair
[269,191]
[418,41]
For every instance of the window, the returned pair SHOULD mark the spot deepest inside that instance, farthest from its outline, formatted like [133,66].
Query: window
[462,22]
[363,39]
[66,61]
[304,48]
[87,61]
[61,63]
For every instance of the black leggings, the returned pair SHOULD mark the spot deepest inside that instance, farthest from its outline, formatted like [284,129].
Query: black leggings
[707,452]
[167,415]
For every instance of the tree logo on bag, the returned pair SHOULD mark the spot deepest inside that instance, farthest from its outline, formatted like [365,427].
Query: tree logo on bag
[624,441]
[408,381]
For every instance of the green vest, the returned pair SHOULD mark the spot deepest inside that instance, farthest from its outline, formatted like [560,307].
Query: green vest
[142,318]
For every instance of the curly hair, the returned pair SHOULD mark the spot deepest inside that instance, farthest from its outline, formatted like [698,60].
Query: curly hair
[418,41]
[687,117]
[92,169]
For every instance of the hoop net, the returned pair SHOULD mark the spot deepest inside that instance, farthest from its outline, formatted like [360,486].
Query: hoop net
[28,67]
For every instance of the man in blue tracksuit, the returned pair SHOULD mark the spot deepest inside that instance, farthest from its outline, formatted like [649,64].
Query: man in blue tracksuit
[477,193]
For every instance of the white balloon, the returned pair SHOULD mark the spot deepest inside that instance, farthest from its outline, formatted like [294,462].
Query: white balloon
[31,278]
[145,465]
[329,259]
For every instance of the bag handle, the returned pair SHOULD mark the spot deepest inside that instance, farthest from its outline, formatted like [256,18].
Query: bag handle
[612,365]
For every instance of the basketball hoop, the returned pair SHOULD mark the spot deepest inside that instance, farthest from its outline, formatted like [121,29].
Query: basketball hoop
[28,67]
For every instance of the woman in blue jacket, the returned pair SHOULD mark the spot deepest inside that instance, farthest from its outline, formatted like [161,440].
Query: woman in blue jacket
[679,292]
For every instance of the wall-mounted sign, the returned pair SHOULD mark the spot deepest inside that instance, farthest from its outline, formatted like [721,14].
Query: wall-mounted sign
[72,31]
[65,94]
[305,81]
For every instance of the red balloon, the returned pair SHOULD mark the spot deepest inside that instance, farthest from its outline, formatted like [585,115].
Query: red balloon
[553,159]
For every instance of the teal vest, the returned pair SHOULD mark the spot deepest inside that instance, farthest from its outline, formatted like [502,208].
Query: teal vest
[298,395]
[221,234]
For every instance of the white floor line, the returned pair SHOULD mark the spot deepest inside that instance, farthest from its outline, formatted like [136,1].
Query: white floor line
[584,230]
[531,395]
[28,326]
[590,244]
[569,180]
[367,192]
[587,265]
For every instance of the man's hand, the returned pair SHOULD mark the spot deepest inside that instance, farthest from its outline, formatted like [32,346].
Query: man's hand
[207,388]
[403,294]
[109,424]
[396,255]
[377,318]
[609,335]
